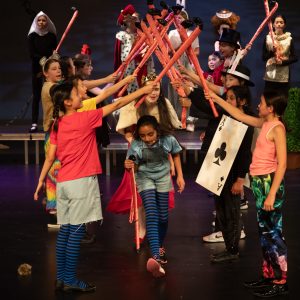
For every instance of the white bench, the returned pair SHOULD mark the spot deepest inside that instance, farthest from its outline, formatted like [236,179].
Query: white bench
[26,137]
[112,147]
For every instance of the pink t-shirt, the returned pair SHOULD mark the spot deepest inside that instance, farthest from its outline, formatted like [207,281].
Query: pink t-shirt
[264,159]
[76,145]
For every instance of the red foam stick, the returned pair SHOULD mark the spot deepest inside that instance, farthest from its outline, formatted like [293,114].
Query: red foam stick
[166,57]
[67,29]
[175,57]
[144,60]
[133,216]
[192,56]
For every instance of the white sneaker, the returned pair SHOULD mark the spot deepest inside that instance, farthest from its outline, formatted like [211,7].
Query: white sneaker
[217,237]
[154,267]
[190,127]
[244,204]
[243,234]
[54,226]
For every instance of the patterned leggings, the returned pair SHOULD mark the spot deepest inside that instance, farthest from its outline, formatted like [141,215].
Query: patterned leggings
[270,228]
[156,207]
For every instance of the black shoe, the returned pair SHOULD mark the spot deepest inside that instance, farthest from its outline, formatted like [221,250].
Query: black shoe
[89,239]
[59,285]
[274,290]
[224,257]
[70,288]
[225,252]
[261,283]
[162,256]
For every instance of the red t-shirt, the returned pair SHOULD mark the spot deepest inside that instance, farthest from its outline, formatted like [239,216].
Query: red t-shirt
[76,145]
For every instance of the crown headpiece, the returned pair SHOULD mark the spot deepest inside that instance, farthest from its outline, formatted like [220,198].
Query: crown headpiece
[149,77]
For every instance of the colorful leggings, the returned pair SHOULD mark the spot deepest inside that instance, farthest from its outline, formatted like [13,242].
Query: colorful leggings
[270,228]
[156,207]
[51,178]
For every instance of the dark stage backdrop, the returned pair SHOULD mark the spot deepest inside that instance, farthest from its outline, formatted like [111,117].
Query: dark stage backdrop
[96,25]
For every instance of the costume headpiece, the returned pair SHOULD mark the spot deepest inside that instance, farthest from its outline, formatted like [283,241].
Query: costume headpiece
[241,72]
[224,14]
[230,36]
[34,27]
[149,77]
[128,10]
[86,50]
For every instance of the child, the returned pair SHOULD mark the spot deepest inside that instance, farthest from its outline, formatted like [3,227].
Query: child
[73,142]
[279,57]
[267,182]
[41,42]
[213,74]
[150,148]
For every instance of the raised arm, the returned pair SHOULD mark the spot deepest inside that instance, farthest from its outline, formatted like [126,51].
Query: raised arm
[94,83]
[235,112]
[113,89]
[107,109]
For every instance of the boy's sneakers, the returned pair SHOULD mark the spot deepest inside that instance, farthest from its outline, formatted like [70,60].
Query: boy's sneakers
[217,237]
[154,267]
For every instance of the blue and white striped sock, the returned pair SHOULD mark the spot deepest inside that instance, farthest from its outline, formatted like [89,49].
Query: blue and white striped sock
[163,213]
[151,209]
[61,245]
[72,253]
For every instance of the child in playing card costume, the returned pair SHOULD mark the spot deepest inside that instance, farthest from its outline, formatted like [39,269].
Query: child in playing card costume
[228,203]
[151,148]
[267,182]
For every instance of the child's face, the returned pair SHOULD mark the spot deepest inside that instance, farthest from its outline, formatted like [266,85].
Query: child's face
[148,134]
[279,24]
[231,81]
[213,62]
[263,109]
[226,49]
[154,95]
[87,69]
[42,22]
[76,99]
[53,74]
[231,98]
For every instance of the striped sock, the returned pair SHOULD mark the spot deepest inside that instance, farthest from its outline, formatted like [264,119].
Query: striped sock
[163,212]
[151,209]
[61,244]
[72,253]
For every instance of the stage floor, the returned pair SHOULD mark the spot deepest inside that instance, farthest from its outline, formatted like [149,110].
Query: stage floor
[112,264]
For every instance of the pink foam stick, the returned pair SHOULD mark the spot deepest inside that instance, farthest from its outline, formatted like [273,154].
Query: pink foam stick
[175,57]
[193,58]
[262,25]
[67,30]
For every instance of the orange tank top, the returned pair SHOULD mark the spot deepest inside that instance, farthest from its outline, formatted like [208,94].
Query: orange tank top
[264,159]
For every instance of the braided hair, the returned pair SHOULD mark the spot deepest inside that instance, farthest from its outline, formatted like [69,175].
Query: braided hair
[59,93]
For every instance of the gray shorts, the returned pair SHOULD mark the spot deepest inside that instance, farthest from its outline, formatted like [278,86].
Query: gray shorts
[78,201]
